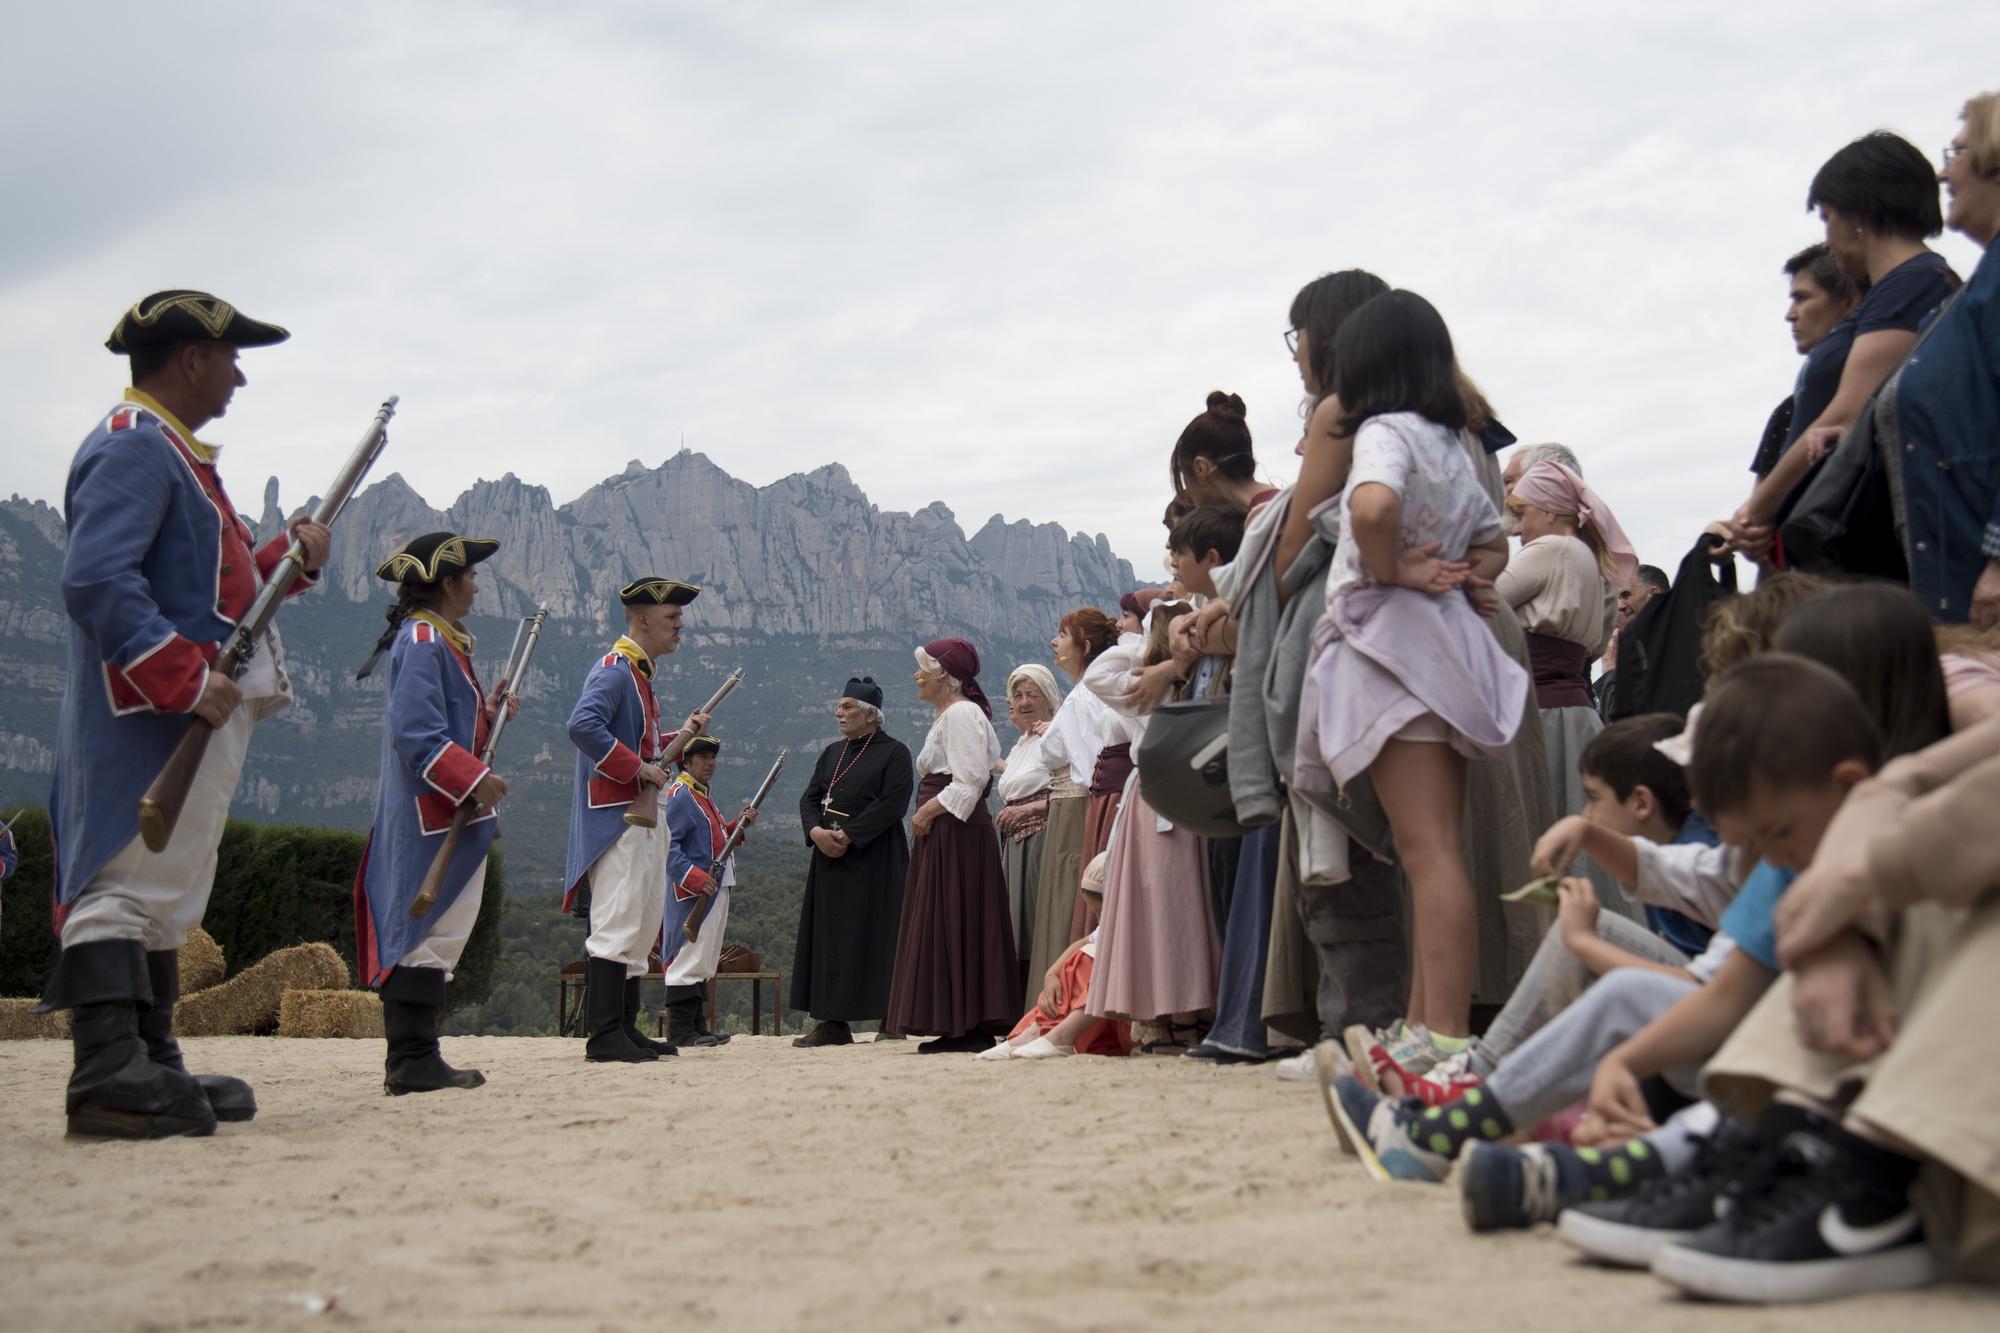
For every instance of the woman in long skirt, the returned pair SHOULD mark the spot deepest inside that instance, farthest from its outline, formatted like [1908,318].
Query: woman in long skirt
[1025,787]
[1069,748]
[956,977]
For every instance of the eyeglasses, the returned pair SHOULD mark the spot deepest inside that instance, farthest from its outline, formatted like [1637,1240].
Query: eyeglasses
[1292,340]
[1951,150]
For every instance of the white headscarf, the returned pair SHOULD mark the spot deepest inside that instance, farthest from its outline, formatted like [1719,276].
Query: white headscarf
[1044,680]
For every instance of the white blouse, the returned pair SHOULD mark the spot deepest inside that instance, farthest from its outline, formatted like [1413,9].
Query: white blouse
[1554,585]
[962,743]
[1027,771]
[1072,738]
[1116,671]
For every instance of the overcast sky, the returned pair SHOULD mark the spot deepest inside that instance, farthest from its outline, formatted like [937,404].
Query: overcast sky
[993,255]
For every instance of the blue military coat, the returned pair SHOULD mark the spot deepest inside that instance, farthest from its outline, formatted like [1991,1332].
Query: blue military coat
[697,831]
[615,727]
[157,571]
[431,739]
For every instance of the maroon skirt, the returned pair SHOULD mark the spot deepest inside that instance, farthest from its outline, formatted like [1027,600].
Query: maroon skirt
[1107,789]
[1562,672]
[955,971]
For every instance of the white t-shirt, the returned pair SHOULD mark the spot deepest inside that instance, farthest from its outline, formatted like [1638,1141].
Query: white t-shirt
[1443,500]
[962,743]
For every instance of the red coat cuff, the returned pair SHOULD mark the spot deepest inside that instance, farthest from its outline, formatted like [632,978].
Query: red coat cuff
[454,770]
[696,882]
[621,765]
[167,679]
[272,552]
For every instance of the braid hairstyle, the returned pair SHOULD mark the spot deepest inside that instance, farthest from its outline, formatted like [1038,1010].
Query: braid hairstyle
[409,597]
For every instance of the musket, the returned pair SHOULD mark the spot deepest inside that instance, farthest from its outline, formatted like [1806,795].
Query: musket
[692,926]
[468,810]
[15,820]
[642,813]
[160,807]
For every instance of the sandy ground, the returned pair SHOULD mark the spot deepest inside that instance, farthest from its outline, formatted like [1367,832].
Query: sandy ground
[758,1186]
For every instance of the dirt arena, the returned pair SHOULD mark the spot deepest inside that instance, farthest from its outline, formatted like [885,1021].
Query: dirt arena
[758,1186]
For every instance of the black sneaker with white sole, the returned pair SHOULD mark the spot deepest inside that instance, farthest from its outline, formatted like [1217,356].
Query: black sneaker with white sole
[1832,1218]
[1630,1232]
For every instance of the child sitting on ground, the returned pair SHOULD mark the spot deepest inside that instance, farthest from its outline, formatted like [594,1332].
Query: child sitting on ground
[1780,742]
[1638,824]
[1057,1025]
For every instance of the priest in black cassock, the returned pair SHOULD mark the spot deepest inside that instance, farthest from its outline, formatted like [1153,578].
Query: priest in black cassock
[852,812]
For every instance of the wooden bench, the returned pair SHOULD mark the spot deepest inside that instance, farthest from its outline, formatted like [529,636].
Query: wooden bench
[569,998]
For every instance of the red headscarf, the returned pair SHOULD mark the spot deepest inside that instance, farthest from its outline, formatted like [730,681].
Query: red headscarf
[960,661]
[1137,602]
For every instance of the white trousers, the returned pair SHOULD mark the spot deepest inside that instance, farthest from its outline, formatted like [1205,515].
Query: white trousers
[445,944]
[696,962]
[628,897]
[157,898]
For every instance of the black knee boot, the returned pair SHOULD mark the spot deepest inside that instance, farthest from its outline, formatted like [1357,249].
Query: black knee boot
[606,1000]
[115,1090]
[631,1024]
[412,1011]
[230,1098]
[684,1025]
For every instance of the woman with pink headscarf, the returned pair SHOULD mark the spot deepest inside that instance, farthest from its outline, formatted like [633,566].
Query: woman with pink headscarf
[956,979]
[1563,585]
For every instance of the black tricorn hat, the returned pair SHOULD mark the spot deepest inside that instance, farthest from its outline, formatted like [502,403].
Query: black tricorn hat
[700,745]
[656,591]
[182,315]
[429,558]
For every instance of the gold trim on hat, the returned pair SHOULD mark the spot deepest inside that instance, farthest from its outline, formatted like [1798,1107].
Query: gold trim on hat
[398,566]
[655,590]
[211,312]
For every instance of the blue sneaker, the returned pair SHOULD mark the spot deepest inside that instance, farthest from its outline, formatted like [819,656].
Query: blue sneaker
[1379,1133]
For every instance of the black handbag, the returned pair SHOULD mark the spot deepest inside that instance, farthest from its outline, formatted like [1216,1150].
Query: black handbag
[1183,763]
[1659,652]
[1843,521]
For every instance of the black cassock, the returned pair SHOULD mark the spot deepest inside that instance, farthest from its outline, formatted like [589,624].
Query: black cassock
[854,904]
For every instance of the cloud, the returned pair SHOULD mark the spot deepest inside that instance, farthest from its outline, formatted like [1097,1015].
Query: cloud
[994,256]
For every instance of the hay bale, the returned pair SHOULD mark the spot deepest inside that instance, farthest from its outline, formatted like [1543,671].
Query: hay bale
[330,1013]
[202,964]
[248,1002]
[18,1024]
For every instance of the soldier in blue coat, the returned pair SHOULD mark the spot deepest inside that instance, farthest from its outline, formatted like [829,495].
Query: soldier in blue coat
[158,569]
[697,832]
[622,866]
[436,728]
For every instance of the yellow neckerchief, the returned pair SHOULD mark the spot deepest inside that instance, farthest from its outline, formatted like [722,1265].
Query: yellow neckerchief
[634,654]
[205,452]
[453,635]
[689,780]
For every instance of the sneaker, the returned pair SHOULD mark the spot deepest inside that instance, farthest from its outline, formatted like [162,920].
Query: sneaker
[1822,1223]
[1432,1089]
[1629,1233]
[1512,1189]
[1331,1064]
[1410,1049]
[1300,1068]
[1381,1137]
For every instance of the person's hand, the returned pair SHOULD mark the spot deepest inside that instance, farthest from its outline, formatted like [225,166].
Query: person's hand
[1576,911]
[748,816]
[487,792]
[1051,996]
[696,724]
[1153,686]
[1592,1132]
[1039,729]
[1829,897]
[1841,1003]
[1615,1099]
[927,813]
[1180,642]
[218,699]
[314,540]
[1207,624]
[1562,844]
[1985,613]
[652,775]
[821,839]
[1819,442]
[494,700]
[1420,567]
[1480,593]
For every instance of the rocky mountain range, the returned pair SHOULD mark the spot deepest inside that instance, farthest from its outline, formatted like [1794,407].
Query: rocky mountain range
[804,583]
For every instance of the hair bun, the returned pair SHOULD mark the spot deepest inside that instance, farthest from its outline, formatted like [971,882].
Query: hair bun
[1228,404]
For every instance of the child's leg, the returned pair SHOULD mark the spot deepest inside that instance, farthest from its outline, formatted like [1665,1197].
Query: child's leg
[1553,982]
[1553,1068]
[1422,789]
